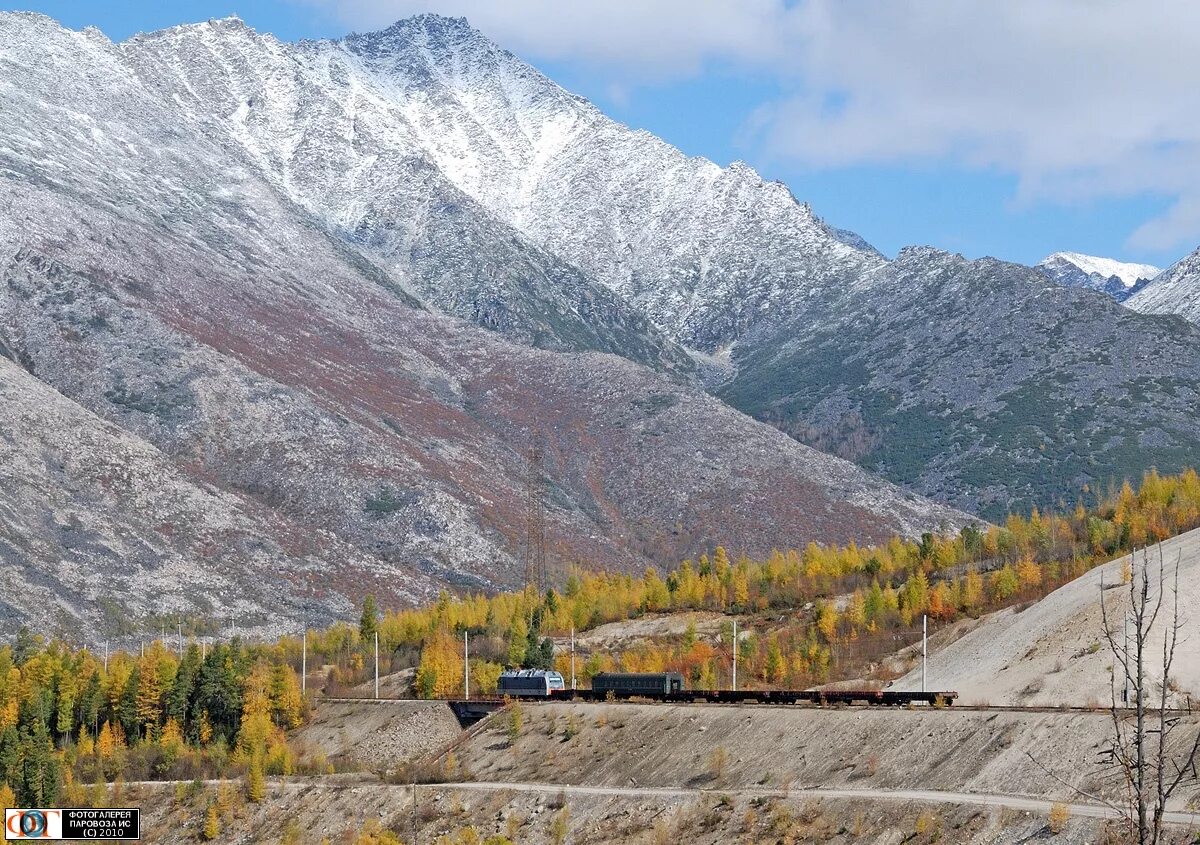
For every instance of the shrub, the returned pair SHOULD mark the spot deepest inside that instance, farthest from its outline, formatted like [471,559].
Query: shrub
[256,780]
[717,761]
[1060,814]
[468,836]
[749,820]
[385,503]
[212,822]
[292,835]
[373,833]
[560,826]
[925,822]
[516,719]
[572,728]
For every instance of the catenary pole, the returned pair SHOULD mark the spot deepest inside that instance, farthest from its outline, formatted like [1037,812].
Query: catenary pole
[572,657]
[414,812]
[924,647]
[735,650]
[466,667]
[377,664]
[304,661]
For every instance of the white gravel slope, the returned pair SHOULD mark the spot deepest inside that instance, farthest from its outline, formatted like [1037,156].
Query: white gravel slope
[1054,652]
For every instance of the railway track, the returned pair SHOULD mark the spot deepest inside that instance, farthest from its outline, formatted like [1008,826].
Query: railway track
[492,703]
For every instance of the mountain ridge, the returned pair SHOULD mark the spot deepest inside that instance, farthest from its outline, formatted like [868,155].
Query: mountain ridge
[909,373]
[152,276]
[1175,290]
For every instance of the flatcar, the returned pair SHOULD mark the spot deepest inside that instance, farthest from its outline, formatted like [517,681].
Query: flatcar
[638,683]
[530,682]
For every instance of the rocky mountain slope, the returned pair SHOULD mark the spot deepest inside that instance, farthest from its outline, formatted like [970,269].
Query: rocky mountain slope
[714,259]
[96,524]
[376,132]
[979,383]
[167,289]
[1174,291]
[1118,279]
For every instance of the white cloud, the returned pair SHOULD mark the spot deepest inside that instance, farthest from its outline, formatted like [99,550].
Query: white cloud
[649,40]
[1079,98]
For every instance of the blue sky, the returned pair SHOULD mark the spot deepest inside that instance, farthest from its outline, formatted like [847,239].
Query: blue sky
[853,138]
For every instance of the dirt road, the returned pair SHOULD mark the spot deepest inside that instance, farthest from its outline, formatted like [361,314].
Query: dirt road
[1013,802]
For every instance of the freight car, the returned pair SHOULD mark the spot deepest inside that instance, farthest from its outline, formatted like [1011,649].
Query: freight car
[638,683]
[522,682]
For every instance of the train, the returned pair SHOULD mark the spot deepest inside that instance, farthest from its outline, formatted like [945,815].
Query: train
[669,687]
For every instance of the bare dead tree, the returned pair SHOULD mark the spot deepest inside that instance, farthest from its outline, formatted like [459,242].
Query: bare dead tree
[1141,746]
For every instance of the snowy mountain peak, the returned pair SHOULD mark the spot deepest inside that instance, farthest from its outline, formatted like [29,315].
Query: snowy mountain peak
[433,22]
[433,32]
[1127,272]
[1118,279]
[705,252]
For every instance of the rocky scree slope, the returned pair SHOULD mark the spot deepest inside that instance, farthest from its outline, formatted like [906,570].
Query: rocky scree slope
[979,383]
[98,527]
[153,278]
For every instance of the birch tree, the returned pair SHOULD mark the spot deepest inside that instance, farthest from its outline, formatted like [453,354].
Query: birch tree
[1147,746]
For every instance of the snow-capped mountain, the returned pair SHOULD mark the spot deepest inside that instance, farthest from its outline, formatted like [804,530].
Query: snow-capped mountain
[1118,279]
[375,131]
[315,123]
[1175,290]
[224,402]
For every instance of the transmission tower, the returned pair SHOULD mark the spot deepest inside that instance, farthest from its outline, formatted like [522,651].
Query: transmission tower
[535,520]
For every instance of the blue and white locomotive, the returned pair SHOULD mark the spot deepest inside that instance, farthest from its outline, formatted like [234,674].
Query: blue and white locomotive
[530,682]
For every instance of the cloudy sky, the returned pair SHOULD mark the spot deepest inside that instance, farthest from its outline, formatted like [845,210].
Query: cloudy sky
[1012,128]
